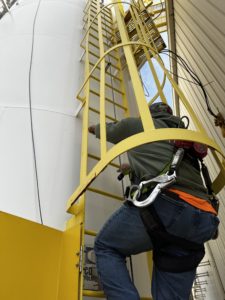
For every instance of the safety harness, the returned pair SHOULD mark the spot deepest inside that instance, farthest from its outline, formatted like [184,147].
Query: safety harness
[161,239]
[162,181]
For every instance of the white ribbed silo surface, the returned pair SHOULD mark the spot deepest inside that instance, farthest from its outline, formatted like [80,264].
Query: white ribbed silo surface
[54,79]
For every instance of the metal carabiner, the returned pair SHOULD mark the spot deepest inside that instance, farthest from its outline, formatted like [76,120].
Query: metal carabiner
[165,181]
[134,192]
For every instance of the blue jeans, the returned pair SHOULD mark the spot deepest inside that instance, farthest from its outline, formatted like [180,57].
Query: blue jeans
[124,234]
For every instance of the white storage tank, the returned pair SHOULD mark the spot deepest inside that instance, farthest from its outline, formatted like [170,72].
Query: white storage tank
[40,137]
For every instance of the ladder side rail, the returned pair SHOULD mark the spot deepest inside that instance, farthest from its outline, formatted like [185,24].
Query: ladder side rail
[121,77]
[141,32]
[135,79]
[102,85]
[84,157]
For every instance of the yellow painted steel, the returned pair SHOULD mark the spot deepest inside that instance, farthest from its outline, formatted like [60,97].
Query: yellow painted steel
[135,78]
[108,85]
[107,117]
[79,208]
[141,103]
[199,135]
[142,32]
[70,281]
[38,262]
[134,141]
[97,294]
[90,232]
[157,94]
[98,158]
[104,193]
[106,99]
[121,77]
[102,85]
[29,259]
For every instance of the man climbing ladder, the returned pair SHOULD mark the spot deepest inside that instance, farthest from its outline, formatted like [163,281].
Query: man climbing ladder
[176,225]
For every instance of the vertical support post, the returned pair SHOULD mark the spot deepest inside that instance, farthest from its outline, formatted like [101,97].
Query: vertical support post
[84,146]
[102,84]
[139,93]
[172,44]
[141,32]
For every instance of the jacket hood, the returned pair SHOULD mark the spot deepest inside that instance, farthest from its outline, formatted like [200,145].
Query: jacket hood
[164,112]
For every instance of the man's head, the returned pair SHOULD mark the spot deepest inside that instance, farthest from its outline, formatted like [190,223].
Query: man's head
[160,108]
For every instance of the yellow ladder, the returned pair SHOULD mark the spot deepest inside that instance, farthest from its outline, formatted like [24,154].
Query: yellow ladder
[103,92]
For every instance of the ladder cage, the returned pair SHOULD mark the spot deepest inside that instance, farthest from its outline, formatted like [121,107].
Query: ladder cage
[148,48]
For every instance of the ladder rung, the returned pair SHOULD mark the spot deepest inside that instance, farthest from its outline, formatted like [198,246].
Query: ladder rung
[115,77]
[90,232]
[95,294]
[92,27]
[96,55]
[154,12]
[102,13]
[96,24]
[87,5]
[101,192]
[86,11]
[96,46]
[103,23]
[98,158]
[109,100]
[107,15]
[161,24]
[92,53]
[107,116]
[95,37]
[100,294]
[108,85]
[92,14]
[92,4]
[91,43]
[105,36]
[106,11]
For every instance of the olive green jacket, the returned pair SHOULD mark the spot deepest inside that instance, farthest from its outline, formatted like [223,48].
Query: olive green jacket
[148,160]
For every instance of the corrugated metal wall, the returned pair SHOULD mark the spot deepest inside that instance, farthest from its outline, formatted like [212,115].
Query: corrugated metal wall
[200,40]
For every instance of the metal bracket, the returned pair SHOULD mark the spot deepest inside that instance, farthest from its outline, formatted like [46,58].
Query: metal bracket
[80,264]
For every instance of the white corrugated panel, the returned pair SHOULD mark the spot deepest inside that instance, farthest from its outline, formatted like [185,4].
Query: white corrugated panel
[200,40]
[54,78]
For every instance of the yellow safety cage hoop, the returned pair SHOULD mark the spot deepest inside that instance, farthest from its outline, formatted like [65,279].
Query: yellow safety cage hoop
[150,133]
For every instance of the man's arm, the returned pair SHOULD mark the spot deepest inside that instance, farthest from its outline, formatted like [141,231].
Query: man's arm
[115,132]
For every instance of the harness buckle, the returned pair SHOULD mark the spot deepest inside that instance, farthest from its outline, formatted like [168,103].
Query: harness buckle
[162,181]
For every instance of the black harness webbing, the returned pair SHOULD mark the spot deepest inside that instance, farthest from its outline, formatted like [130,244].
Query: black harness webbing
[161,239]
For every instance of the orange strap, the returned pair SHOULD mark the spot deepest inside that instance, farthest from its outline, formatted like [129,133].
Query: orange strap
[195,201]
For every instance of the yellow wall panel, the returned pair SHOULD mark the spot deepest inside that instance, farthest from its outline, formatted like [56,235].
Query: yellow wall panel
[69,280]
[29,259]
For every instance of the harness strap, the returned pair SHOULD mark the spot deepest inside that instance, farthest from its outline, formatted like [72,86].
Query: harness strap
[162,239]
[159,182]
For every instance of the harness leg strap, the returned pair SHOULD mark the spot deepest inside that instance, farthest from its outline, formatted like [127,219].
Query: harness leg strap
[161,239]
